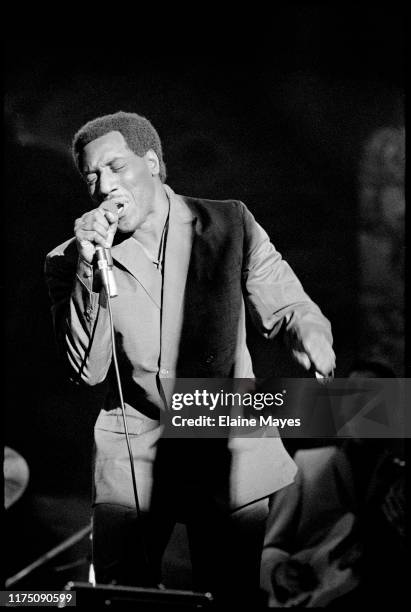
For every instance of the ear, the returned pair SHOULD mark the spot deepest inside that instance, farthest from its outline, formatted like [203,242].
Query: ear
[152,162]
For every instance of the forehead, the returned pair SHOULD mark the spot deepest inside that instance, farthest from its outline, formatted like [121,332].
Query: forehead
[103,149]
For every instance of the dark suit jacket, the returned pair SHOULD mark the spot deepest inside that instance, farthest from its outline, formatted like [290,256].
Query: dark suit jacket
[217,258]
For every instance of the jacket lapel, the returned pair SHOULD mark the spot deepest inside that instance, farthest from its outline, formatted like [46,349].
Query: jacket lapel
[179,242]
[131,256]
[177,260]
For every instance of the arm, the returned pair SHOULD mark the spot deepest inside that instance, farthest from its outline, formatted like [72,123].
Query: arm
[80,318]
[277,300]
[80,314]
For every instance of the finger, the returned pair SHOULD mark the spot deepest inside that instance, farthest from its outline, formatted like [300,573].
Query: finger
[319,348]
[94,225]
[113,219]
[303,359]
[321,355]
[111,232]
[100,215]
[97,234]
[93,237]
[88,219]
[97,214]
[111,206]
[323,371]
[324,365]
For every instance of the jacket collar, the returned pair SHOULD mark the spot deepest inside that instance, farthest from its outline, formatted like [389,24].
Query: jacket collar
[131,256]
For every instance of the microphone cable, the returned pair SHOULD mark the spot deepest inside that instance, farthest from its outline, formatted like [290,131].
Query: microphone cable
[130,454]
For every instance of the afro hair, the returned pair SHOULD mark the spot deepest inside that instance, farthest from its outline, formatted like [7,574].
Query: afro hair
[139,134]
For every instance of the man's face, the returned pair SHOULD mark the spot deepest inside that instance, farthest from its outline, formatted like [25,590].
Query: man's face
[120,179]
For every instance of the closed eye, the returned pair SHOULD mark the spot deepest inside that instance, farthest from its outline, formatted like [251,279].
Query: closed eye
[118,167]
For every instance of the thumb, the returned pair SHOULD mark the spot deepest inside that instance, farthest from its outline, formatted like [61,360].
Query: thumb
[112,218]
[111,233]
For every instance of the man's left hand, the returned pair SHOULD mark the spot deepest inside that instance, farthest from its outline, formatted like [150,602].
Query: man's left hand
[315,351]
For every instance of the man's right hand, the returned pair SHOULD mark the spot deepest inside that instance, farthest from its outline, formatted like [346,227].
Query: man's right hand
[95,228]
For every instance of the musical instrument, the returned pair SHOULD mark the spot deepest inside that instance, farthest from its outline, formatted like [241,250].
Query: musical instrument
[331,580]
[16,476]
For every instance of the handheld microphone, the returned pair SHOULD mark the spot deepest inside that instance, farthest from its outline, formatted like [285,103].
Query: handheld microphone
[105,265]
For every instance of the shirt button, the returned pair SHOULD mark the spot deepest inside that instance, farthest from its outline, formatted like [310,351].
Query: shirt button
[164,371]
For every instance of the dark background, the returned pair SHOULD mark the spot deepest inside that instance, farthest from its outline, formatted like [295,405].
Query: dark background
[275,114]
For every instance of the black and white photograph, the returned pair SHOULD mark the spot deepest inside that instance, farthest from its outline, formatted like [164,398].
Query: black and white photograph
[206,367]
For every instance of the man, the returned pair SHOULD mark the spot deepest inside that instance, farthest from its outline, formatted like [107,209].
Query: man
[184,268]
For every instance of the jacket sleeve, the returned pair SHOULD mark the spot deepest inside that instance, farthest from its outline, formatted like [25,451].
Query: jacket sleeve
[80,317]
[274,294]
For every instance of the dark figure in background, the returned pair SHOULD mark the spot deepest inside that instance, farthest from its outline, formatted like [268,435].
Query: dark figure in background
[378,468]
[185,268]
[335,537]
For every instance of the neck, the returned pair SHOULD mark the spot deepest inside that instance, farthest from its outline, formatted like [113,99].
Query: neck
[150,232]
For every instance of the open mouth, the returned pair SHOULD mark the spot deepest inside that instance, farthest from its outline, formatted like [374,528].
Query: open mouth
[120,208]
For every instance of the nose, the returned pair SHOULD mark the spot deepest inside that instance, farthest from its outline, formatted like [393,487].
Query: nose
[107,183]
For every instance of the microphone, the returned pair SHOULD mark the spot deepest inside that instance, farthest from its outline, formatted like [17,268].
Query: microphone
[105,265]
